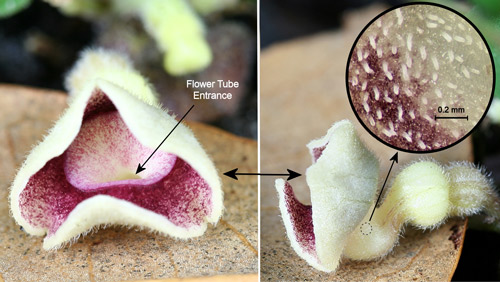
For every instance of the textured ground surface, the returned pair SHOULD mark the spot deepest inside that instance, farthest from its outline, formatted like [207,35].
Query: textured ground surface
[303,86]
[115,253]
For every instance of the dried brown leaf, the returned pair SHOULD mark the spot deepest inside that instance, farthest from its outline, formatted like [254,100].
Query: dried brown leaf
[303,93]
[116,253]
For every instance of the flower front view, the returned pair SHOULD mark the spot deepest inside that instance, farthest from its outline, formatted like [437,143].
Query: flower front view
[83,174]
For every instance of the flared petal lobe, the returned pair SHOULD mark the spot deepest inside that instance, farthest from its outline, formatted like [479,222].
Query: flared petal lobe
[340,197]
[83,174]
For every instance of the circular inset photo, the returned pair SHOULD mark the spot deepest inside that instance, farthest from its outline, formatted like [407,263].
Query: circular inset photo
[420,77]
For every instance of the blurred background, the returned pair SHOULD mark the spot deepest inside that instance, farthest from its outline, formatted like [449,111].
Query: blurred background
[283,20]
[40,41]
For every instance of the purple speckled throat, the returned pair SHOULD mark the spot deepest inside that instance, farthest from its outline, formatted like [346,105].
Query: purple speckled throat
[301,219]
[102,161]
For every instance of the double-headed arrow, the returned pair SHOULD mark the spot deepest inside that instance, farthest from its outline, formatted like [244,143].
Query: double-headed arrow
[291,174]
[394,159]
[141,167]
[232,173]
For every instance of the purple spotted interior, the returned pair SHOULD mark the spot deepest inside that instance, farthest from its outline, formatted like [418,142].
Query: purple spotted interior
[301,219]
[317,152]
[393,117]
[102,160]
[416,69]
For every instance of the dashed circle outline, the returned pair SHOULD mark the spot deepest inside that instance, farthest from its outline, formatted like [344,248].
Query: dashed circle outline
[361,228]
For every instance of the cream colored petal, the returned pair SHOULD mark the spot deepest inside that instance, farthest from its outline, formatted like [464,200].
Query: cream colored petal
[343,181]
[149,124]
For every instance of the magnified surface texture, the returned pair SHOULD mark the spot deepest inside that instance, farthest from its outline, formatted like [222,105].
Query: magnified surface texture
[420,77]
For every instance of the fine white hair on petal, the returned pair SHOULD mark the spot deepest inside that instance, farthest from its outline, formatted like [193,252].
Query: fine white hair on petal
[103,64]
[120,97]
[337,195]
[343,181]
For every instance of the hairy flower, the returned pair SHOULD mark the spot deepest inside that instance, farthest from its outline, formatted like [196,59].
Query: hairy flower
[343,180]
[82,174]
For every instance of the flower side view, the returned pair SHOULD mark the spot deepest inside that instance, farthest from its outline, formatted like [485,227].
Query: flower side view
[343,182]
[82,175]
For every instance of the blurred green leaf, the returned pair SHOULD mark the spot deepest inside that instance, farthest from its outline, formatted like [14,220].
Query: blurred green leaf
[488,7]
[11,7]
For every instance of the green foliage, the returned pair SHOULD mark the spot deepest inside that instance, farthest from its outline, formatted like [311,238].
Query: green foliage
[11,7]
[488,7]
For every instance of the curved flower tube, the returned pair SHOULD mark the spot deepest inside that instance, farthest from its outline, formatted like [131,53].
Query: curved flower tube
[343,180]
[174,25]
[82,175]
[179,32]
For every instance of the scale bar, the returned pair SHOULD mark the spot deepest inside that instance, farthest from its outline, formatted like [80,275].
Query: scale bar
[441,117]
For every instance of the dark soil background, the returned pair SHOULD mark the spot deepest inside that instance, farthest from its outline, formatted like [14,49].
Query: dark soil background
[39,45]
[287,19]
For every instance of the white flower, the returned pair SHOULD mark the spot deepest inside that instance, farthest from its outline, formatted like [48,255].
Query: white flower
[343,180]
[82,174]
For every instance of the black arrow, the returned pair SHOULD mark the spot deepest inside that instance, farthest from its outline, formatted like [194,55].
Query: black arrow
[141,167]
[291,174]
[393,159]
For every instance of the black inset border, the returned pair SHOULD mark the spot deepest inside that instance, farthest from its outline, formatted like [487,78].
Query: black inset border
[349,93]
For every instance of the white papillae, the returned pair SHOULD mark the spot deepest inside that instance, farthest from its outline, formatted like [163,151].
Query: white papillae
[432,56]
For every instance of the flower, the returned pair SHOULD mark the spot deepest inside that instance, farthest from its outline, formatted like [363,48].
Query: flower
[82,175]
[343,180]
